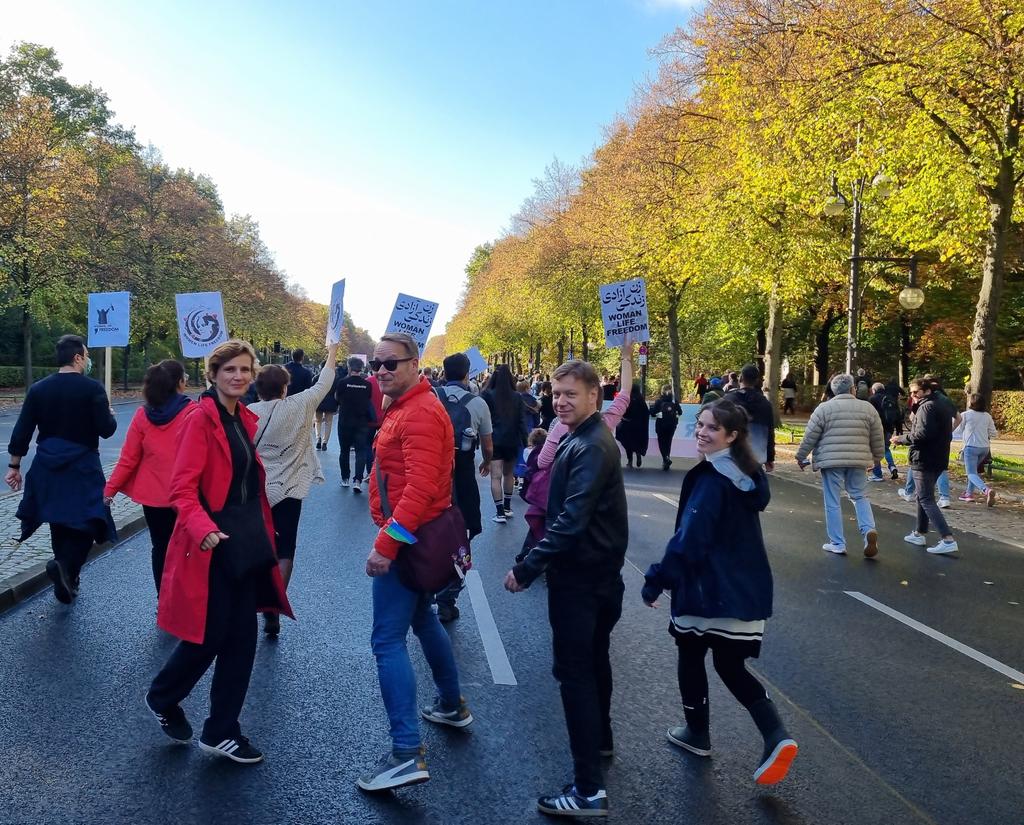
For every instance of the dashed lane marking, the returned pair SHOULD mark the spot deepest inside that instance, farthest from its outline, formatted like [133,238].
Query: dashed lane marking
[494,649]
[959,647]
[666,499]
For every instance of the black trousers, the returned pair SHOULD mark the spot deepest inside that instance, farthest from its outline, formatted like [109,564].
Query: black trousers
[358,436]
[230,641]
[70,548]
[286,515]
[730,664]
[665,442]
[160,521]
[582,616]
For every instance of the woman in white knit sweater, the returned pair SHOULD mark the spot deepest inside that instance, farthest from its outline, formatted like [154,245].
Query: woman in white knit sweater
[284,442]
[976,429]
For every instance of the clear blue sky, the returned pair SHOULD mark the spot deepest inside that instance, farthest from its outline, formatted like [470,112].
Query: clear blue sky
[374,141]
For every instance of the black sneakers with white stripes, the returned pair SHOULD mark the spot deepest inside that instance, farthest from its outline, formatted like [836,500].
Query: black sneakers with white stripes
[173,722]
[237,750]
[571,803]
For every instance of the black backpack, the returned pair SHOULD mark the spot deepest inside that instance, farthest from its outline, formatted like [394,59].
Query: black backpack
[891,413]
[863,390]
[458,411]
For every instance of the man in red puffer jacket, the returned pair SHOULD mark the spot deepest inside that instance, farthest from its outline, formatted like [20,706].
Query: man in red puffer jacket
[414,461]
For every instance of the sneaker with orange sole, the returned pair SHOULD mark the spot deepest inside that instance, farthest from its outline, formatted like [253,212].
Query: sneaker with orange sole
[775,762]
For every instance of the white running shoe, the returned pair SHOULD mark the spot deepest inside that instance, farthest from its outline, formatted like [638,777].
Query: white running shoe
[943,503]
[903,495]
[944,547]
[499,519]
[344,482]
[357,486]
[838,549]
[915,538]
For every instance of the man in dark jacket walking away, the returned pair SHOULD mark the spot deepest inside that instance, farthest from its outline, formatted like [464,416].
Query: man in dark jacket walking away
[302,377]
[890,414]
[471,424]
[64,486]
[929,439]
[355,414]
[761,412]
[582,552]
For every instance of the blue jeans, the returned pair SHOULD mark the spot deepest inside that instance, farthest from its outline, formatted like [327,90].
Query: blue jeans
[943,484]
[972,455]
[395,610]
[855,481]
[877,470]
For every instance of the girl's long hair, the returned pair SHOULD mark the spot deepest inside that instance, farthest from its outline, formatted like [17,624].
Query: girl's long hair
[503,392]
[734,419]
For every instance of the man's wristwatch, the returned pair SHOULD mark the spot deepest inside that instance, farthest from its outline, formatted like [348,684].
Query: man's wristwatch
[14,466]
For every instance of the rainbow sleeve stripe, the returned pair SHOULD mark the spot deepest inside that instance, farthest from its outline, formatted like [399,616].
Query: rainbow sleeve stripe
[399,533]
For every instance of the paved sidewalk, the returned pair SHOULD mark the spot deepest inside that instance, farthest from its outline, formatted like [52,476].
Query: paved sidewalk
[22,566]
[1002,522]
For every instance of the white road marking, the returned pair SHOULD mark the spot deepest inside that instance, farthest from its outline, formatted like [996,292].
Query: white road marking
[959,647]
[666,499]
[497,658]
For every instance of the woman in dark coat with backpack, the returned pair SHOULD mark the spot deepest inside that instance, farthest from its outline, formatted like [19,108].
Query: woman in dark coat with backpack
[716,568]
[633,431]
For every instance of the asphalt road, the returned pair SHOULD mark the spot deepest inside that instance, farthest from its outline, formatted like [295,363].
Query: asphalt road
[893,725]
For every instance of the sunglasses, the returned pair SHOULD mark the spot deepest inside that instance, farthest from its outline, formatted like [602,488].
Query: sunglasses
[391,364]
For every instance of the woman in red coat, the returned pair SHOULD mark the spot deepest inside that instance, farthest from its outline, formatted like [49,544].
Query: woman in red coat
[143,472]
[221,569]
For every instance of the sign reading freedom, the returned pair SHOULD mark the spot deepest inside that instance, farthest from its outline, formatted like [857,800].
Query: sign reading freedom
[108,319]
[413,316]
[624,312]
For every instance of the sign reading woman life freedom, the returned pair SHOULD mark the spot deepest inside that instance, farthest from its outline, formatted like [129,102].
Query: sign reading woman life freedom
[108,319]
[201,323]
[624,312]
[336,314]
[413,316]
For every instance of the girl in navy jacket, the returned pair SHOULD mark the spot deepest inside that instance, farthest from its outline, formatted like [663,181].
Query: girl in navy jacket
[716,568]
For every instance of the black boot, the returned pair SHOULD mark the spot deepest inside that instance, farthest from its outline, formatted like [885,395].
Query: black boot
[695,737]
[779,748]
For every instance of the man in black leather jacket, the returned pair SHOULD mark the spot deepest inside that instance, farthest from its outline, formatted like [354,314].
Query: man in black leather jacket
[582,552]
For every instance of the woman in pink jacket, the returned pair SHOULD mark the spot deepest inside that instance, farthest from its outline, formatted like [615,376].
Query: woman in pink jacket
[143,472]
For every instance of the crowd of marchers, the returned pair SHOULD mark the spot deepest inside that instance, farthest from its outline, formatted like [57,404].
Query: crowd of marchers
[222,479]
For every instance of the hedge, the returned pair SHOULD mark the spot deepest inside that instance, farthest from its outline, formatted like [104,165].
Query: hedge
[1008,411]
[13,377]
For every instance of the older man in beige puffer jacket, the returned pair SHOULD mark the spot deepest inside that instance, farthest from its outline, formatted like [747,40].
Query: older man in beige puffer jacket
[845,436]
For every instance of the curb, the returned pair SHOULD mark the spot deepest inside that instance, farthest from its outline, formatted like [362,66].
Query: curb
[26,584]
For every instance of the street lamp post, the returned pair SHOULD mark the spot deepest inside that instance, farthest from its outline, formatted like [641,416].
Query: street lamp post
[837,205]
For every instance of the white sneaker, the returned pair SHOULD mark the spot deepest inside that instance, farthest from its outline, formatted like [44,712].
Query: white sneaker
[944,547]
[915,538]
[876,478]
[838,549]
[903,494]
[943,503]
[499,519]
[344,482]
[357,486]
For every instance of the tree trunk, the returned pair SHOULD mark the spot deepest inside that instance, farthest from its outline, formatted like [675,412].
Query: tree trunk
[821,349]
[26,343]
[561,350]
[586,344]
[673,345]
[983,341]
[773,349]
[762,343]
